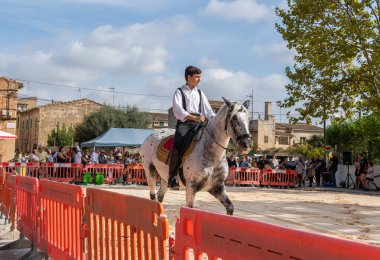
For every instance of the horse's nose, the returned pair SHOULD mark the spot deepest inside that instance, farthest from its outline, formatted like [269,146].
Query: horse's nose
[246,143]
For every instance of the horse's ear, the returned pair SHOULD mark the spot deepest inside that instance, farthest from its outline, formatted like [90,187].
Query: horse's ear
[228,103]
[246,104]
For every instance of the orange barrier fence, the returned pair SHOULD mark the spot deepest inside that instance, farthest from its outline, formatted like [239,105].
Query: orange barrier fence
[27,207]
[2,179]
[124,227]
[9,198]
[136,174]
[278,177]
[22,168]
[200,231]
[61,171]
[62,210]
[245,176]
[112,172]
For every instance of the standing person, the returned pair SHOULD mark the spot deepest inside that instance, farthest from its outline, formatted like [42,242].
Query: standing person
[300,168]
[42,154]
[77,155]
[61,156]
[191,108]
[363,168]
[333,168]
[94,158]
[357,174]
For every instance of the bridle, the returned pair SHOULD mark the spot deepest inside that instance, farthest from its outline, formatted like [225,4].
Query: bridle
[231,113]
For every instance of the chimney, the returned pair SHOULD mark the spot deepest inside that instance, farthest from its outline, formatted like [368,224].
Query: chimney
[268,110]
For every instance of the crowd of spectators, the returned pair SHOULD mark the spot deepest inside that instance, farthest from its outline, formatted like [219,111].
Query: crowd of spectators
[76,155]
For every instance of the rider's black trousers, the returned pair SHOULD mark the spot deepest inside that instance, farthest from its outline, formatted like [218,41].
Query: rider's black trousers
[182,139]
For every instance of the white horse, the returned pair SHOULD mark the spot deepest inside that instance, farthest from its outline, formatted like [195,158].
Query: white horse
[206,168]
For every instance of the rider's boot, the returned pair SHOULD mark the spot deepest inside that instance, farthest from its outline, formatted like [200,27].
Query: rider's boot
[173,169]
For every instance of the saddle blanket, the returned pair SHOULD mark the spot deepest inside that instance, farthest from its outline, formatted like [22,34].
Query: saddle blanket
[166,146]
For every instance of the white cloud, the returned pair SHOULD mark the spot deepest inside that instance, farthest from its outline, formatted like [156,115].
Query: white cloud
[275,52]
[247,10]
[237,85]
[208,63]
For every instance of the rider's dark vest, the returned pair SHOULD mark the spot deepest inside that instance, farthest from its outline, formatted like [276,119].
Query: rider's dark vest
[184,104]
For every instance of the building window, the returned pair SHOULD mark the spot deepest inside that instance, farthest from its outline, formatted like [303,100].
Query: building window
[302,140]
[266,139]
[162,123]
[18,122]
[283,140]
[31,123]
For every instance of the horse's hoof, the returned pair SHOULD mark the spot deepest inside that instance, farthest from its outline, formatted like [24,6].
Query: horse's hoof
[153,196]
[160,198]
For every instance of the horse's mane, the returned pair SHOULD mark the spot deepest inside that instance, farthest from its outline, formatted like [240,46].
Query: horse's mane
[223,112]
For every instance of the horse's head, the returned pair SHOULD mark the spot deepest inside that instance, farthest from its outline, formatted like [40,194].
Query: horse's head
[237,123]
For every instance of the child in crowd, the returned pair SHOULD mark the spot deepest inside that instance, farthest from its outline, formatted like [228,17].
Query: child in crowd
[370,176]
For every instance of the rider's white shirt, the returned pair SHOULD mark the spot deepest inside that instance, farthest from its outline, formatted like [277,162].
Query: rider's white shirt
[192,104]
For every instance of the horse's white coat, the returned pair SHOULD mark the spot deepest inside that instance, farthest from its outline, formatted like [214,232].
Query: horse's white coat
[206,168]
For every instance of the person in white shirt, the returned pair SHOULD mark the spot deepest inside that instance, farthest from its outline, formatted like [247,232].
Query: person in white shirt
[77,155]
[94,157]
[191,108]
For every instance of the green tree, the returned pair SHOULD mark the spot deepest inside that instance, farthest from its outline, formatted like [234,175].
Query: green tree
[337,61]
[107,117]
[307,151]
[61,136]
[316,141]
[356,135]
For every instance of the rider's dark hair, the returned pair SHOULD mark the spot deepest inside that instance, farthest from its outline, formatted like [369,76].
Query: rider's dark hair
[191,70]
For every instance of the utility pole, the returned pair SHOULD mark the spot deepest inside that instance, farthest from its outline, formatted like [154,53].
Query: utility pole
[113,96]
[251,96]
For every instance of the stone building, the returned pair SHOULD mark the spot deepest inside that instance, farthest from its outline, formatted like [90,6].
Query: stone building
[8,114]
[268,134]
[158,120]
[35,124]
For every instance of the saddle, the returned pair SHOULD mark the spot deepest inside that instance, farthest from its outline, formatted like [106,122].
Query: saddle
[166,145]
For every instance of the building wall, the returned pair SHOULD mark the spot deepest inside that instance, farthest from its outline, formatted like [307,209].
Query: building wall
[45,118]
[298,134]
[261,128]
[8,114]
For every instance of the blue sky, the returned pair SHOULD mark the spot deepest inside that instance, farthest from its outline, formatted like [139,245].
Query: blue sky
[143,47]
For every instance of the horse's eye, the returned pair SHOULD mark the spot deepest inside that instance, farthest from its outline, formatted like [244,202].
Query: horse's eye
[241,110]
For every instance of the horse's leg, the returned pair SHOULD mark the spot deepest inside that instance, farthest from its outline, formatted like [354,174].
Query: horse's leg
[219,192]
[151,177]
[163,189]
[190,196]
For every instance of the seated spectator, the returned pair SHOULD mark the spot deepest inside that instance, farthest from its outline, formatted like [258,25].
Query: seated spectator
[232,161]
[370,177]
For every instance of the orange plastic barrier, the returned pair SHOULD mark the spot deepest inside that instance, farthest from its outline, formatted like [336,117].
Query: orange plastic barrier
[62,210]
[241,238]
[61,171]
[136,174]
[112,172]
[9,198]
[124,227]
[2,179]
[27,207]
[231,176]
[278,177]
[22,168]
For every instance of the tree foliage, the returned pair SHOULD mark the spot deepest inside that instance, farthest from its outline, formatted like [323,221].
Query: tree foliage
[316,141]
[61,136]
[337,65]
[99,122]
[360,135]
[307,151]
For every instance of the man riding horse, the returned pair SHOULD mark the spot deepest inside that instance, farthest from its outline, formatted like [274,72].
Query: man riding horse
[191,108]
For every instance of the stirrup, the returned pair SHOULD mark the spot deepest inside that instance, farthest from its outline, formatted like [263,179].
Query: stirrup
[173,184]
